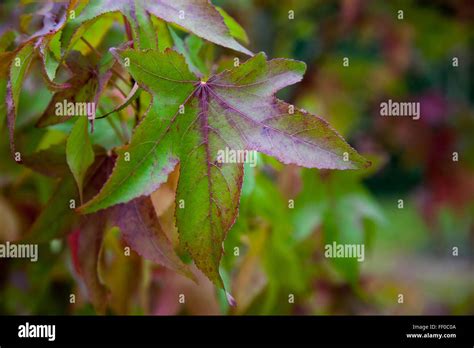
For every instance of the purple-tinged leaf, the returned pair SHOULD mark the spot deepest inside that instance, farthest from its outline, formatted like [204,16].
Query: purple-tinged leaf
[192,121]
[17,72]
[86,244]
[54,18]
[198,16]
[49,162]
[141,229]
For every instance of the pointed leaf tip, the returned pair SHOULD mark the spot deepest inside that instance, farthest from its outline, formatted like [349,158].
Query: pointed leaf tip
[230,300]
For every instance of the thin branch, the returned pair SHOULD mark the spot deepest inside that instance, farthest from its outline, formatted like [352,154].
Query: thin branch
[115,128]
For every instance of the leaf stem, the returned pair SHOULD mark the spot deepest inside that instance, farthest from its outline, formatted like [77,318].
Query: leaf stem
[115,128]
[114,71]
[128,30]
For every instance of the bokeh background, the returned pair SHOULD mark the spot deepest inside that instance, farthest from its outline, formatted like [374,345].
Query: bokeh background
[280,256]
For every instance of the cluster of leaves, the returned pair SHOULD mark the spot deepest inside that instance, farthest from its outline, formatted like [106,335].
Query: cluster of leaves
[185,109]
[272,250]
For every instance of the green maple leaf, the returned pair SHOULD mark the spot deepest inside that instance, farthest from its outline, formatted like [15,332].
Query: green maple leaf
[190,120]
[79,152]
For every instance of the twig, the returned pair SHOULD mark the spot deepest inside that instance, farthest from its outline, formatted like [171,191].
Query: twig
[114,127]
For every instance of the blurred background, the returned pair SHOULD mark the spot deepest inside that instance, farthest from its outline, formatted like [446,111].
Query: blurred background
[413,209]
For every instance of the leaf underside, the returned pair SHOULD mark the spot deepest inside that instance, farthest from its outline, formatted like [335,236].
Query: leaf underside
[198,16]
